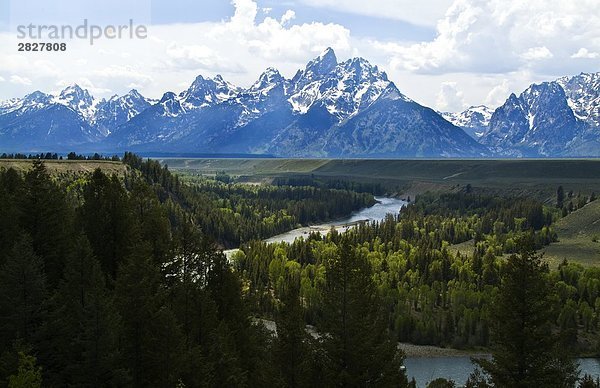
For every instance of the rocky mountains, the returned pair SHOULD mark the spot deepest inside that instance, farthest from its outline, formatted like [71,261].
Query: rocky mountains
[328,109]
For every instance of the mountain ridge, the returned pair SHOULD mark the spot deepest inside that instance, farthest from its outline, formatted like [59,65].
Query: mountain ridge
[327,109]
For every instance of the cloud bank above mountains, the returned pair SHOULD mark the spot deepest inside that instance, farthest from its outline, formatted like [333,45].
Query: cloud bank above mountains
[479,51]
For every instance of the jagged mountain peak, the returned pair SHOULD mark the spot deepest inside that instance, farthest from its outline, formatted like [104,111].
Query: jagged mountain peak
[361,65]
[74,93]
[324,63]
[168,96]
[343,89]
[537,123]
[204,92]
[269,79]
[134,93]
[37,96]
[328,108]
[583,94]
[78,99]
[118,110]
[317,68]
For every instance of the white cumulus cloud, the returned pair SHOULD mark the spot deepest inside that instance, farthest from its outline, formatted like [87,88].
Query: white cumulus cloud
[537,53]
[500,36]
[449,98]
[585,53]
[498,94]
[18,80]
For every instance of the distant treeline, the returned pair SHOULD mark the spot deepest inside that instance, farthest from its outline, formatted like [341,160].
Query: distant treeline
[331,183]
[55,156]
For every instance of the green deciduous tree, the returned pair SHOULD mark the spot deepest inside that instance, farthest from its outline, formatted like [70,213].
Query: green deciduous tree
[29,374]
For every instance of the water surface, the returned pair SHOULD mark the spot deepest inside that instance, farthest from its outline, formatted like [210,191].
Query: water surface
[377,212]
[458,368]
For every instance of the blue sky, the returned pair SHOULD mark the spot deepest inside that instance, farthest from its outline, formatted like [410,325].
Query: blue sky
[447,54]
[363,25]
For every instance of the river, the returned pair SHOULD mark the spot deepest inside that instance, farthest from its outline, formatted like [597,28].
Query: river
[458,368]
[377,212]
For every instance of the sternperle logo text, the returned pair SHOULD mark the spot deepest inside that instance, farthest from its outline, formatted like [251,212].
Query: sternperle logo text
[86,30]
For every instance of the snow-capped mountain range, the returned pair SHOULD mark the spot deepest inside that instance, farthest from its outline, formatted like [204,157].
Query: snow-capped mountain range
[328,109]
[71,118]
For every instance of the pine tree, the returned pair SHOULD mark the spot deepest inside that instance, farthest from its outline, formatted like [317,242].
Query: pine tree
[525,352]
[560,197]
[47,218]
[186,276]
[22,293]
[11,190]
[246,343]
[80,345]
[108,221]
[153,344]
[359,350]
[292,348]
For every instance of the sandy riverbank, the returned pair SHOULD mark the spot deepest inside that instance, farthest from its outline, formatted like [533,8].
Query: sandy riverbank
[434,351]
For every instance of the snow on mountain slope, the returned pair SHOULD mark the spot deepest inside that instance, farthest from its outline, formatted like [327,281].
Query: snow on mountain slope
[583,94]
[342,88]
[474,120]
[328,108]
[539,122]
[118,110]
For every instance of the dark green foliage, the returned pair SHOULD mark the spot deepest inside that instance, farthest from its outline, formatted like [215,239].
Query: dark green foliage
[22,293]
[11,192]
[526,352]
[153,341]
[235,325]
[80,340]
[113,281]
[560,197]
[477,380]
[359,350]
[441,383]
[292,350]
[430,294]
[47,218]
[107,220]
[235,213]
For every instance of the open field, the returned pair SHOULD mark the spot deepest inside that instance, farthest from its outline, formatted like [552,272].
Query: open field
[241,167]
[537,177]
[579,237]
[63,166]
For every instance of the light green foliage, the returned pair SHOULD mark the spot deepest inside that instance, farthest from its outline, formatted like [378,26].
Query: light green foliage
[29,374]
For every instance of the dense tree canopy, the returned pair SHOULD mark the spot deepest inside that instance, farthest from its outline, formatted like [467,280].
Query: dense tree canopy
[121,280]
